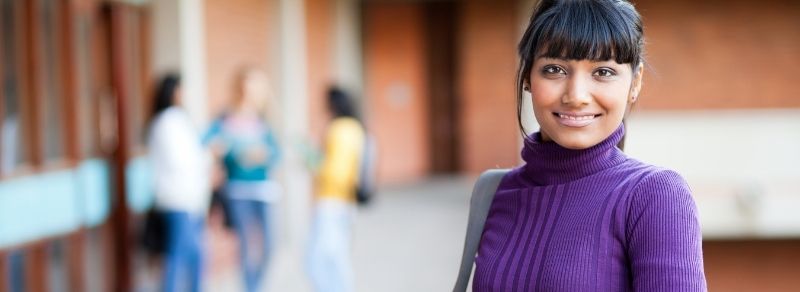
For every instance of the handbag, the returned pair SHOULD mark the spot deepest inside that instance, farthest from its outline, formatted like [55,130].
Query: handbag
[155,233]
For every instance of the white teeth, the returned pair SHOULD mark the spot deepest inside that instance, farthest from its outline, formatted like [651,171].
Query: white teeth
[576,118]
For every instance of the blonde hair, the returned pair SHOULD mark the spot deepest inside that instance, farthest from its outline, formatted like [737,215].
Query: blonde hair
[253,82]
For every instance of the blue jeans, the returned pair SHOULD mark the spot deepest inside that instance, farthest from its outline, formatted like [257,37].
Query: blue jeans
[329,255]
[185,251]
[251,219]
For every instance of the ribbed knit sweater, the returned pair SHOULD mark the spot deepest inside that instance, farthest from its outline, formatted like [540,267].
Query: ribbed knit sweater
[590,220]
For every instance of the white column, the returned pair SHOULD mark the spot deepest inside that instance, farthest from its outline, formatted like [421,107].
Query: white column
[165,30]
[347,46]
[179,46]
[293,94]
[193,59]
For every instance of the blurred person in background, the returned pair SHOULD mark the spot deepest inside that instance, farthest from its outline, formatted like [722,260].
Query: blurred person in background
[329,257]
[182,188]
[580,215]
[9,131]
[247,148]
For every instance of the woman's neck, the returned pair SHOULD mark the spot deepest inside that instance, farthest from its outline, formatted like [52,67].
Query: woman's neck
[244,110]
[548,163]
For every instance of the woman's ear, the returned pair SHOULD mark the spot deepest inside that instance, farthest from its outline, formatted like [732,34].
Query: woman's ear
[526,85]
[636,86]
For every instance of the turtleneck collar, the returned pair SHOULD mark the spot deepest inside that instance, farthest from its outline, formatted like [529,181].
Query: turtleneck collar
[547,163]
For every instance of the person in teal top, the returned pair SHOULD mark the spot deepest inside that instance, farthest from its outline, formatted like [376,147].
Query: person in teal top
[246,147]
[245,150]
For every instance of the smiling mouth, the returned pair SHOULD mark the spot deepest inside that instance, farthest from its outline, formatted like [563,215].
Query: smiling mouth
[576,117]
[576,120]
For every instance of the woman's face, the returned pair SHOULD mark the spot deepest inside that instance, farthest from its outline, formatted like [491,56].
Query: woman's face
[177,96]
[579,103]
[255,89]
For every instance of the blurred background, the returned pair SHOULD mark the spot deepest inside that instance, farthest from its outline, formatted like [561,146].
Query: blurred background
[435,83]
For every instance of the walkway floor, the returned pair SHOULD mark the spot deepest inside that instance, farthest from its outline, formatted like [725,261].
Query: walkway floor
[409,240]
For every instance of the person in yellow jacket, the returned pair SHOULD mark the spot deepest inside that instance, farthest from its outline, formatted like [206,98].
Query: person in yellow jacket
[329,260]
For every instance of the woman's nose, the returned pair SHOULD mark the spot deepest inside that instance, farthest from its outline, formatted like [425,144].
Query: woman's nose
[578,92]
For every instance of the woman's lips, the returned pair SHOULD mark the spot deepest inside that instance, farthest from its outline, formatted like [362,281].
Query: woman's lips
[576,120]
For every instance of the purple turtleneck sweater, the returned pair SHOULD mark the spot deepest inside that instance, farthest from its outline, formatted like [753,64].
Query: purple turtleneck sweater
[590,220]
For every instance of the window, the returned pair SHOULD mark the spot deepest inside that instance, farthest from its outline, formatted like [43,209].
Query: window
[13,120]
[16,271]
[57,265]
[87,91]
[137,92]
[51,81]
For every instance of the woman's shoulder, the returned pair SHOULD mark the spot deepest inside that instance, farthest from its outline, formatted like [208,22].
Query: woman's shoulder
[345,122]
[649,175]
[659,186]
[345,126]
[512,179]
[169,113]
[170,118]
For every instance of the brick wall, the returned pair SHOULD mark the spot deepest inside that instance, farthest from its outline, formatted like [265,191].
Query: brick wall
[396,89]
[752,265]
[486,77]
[319,44]
[396,64]
[721,54]
[238,33]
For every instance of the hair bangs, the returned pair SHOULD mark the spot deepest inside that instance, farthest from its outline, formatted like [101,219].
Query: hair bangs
[583,30]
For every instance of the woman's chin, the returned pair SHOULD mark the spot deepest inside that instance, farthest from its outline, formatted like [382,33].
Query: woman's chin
[576,143]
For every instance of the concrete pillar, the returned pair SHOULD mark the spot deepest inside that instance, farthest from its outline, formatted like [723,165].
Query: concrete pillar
[179,46]
[293,94]
[348,62]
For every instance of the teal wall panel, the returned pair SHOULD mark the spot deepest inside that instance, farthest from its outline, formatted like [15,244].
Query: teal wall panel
[139,184]
[94,182]
[59,202]
[38,206]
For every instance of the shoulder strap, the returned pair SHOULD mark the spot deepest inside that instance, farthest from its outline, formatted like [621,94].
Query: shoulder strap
[482,196]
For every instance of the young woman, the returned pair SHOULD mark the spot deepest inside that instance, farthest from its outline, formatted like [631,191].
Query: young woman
[249,152]
[580,215]
[182,192]
[329,262]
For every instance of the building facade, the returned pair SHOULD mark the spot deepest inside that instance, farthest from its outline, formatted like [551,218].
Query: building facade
[435,83]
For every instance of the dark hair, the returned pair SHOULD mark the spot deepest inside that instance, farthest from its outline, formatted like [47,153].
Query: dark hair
[340,103]
[596,30]
[165,93]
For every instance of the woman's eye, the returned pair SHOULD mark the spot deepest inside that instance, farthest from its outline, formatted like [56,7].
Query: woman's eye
[602,72]
[553,70]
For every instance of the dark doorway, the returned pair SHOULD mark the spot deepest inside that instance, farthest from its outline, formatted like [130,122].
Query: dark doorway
[441,19]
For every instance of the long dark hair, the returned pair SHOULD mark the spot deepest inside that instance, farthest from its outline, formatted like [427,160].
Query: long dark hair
[340,103]
[164,96]
[595,30]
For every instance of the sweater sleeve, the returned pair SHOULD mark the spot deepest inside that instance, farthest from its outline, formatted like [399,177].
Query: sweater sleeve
[213,132]
[664,239]
[274,147]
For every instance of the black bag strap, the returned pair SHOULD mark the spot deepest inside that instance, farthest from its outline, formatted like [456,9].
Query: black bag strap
[482,196]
